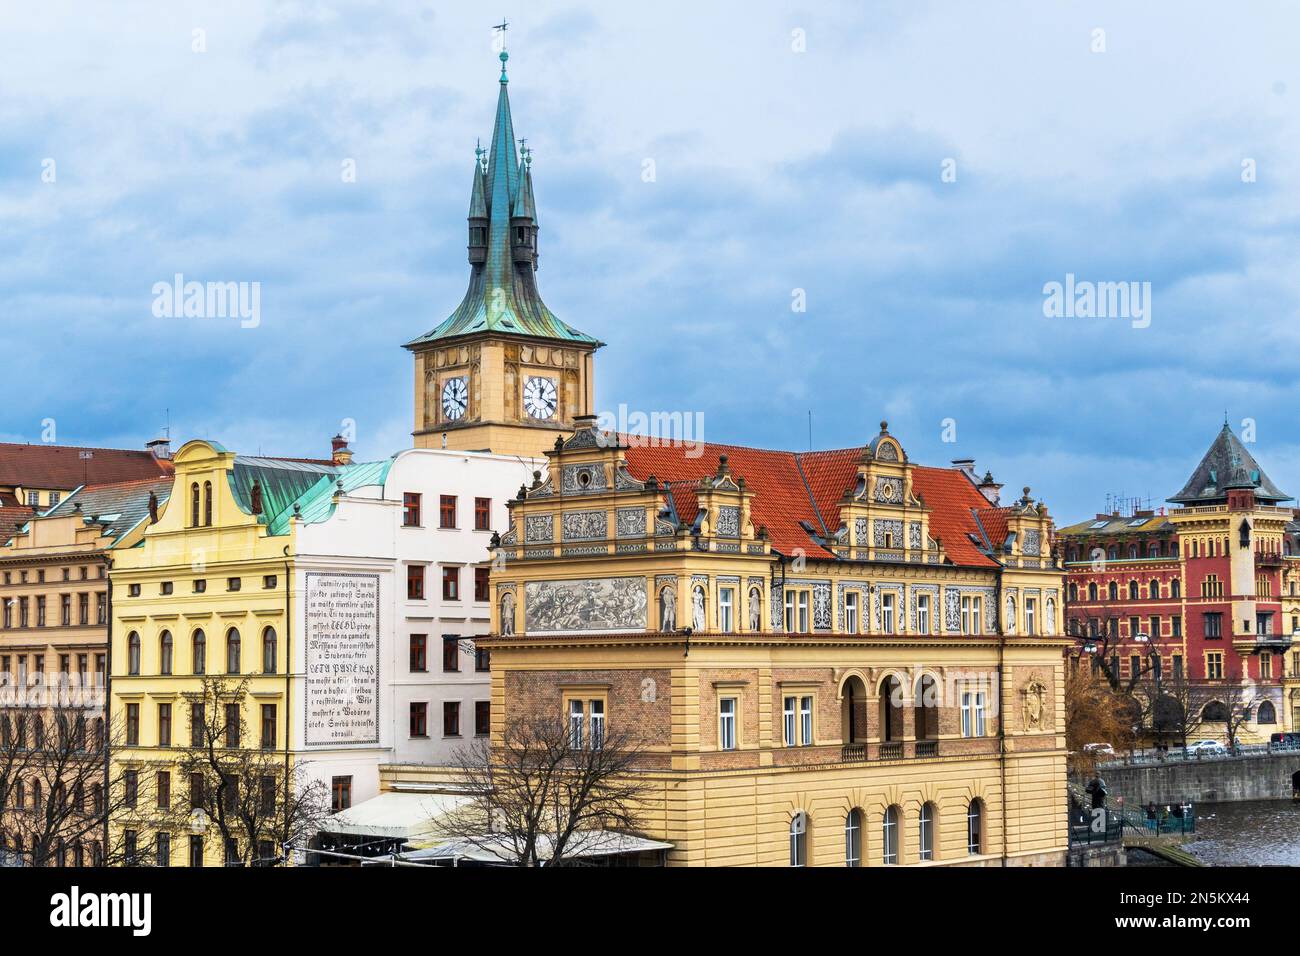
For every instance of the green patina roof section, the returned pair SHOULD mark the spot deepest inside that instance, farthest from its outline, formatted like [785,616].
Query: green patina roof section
[503,299]
[317,503]
[283,482]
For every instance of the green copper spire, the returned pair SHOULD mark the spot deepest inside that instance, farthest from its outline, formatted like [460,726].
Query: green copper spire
[502,297]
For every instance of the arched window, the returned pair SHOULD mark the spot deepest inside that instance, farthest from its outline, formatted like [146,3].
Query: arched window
[207,504]
[1267,713]
[1132,550]
[133,654]
[1092,591]
[1074,593]
[1112,591]
[165,654]
[195,514]
[927,842]
[926,713]
[1175,588]
[889,833]
[232,651]
[891,710]
[200,643]
[853,838]
[1173,549]
[975,828]
[799,839]
[1154,550]
[1112,553]
[268,651]
[1153,590]
[1214,711]
[1133,591]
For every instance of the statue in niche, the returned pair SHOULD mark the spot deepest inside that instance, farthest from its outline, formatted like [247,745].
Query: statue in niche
[697,608]
[755,610]
[507,615]
[1035,704]
[667,610]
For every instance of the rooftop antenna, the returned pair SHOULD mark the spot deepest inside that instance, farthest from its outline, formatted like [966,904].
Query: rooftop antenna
[810,444]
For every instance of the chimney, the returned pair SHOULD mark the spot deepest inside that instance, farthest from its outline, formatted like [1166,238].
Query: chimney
[160,448]
[342,454]
[967,467]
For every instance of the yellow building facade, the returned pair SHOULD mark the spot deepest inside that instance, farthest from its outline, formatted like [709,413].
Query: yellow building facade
[833,658]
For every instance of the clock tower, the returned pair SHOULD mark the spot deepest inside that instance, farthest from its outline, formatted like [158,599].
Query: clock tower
[502,373]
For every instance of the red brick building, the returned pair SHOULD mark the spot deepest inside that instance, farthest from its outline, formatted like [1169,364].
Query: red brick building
[1195,592]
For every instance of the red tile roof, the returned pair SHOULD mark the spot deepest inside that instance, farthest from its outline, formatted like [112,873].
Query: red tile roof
[11,519]
[61,468]
[794,487]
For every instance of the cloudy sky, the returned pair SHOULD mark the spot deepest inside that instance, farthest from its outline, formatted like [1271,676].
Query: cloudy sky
[796,146]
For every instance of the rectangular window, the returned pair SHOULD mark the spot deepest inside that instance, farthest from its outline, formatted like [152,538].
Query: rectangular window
[196,850]
[131,788]
[726,610]
[129,847]
[972,713]
[923,614]
[164,725]
[197,718]
[411,510]
[133,725]
[232,726]
[234,584]
[447,511]
[1135,666]
[198,791]
[970,614]
[482,585]
[597,724]
[200,586]
[576,722]
[451,654]
[65,610]
[165,588]
[451,718]
[270,582]
[482,660]
[1154,625]
[1031,616]
[101,608]
[1213,626]
[1176,625]
[482,514]
[451,584]
[415,582]
[163,785]
[482,718]
[851,612]
[788,722]
[803,597]
[789,612]
[266,794]
[806,721]
[40,611]
[1178,666]
[1134,627]
[887,613]
[419,653]
[1214,665]
[341,794]
[268,726]
[1265,666]
[163,850]
[727,723]
[419,719]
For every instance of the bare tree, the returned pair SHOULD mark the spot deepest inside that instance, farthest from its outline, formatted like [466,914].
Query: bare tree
[536,799]
[55,793]
[253,795]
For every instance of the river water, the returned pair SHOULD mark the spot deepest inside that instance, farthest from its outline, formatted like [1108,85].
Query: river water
[1251,833]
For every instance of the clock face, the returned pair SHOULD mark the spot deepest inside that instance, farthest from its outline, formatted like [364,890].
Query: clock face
[455,399]
[540,399]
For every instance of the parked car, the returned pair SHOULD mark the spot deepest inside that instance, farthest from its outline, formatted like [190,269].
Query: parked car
[1206,747]
[1100,749]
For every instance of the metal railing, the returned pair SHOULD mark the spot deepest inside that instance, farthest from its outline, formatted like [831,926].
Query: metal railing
[1152,757]
[927,748]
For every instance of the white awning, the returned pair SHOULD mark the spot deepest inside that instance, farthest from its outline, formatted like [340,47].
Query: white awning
[590,844]
[395,815]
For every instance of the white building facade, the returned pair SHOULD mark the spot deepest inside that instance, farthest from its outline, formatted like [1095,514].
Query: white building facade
[391,589]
